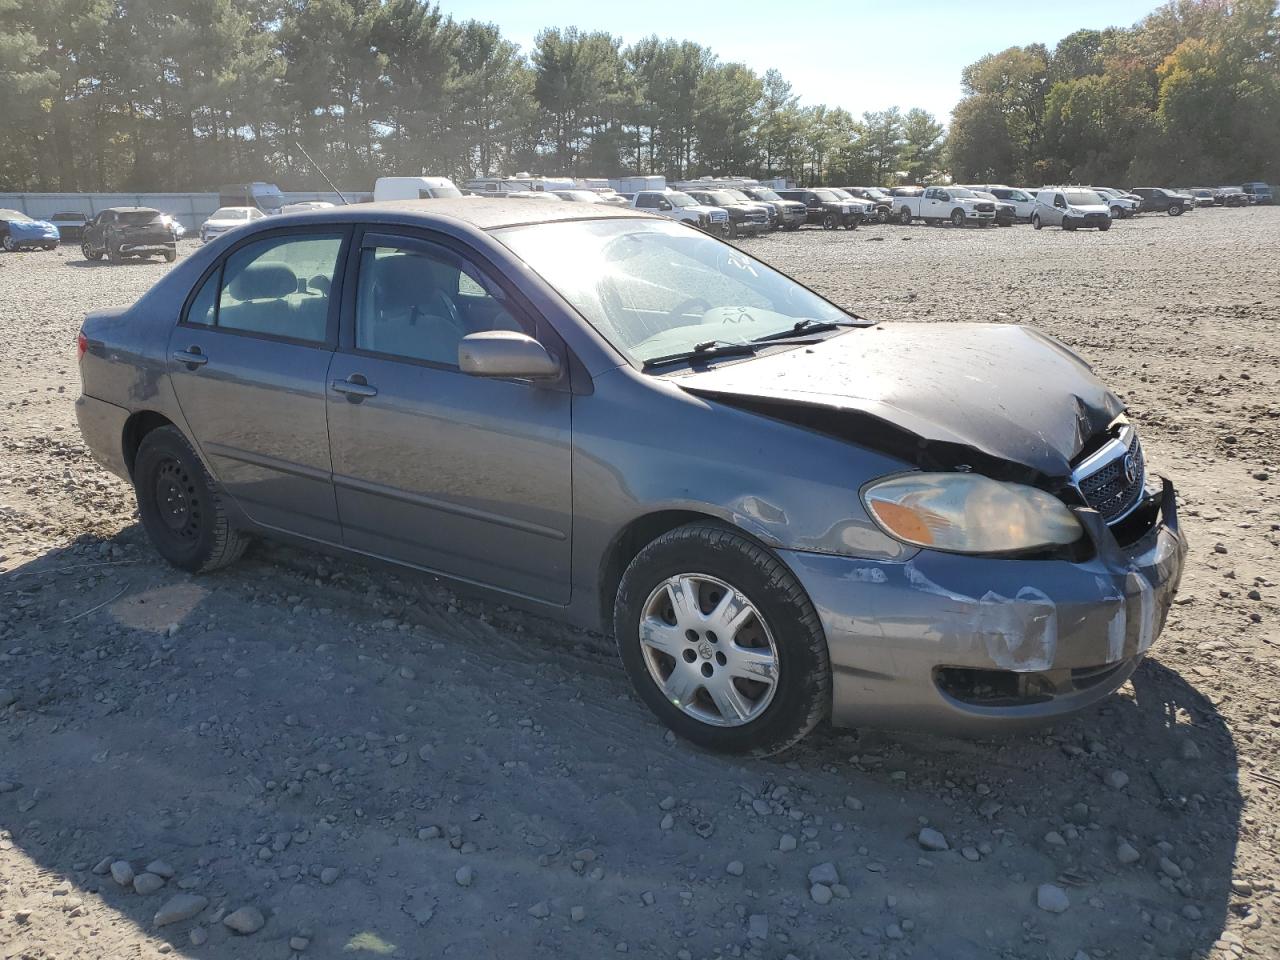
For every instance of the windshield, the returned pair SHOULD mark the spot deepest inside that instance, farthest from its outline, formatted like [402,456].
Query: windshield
[679,199]
[721,198]
[15,215]
[827,195]
[739,196]
[842,193]
[445,193]
[654,288]
[578,196]
[230,213]
[136,218]
[765,195]
[960,192]
[1083,198]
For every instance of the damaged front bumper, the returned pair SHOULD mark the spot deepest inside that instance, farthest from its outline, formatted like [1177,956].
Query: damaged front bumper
[973,645]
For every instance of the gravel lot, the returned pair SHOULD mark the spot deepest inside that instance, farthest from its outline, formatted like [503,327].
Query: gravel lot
[328,759]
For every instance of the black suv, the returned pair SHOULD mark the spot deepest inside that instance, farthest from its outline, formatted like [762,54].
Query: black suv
[883,203]
[1160,200]
[826,208]
[120,232]
[789,214]
[745,216]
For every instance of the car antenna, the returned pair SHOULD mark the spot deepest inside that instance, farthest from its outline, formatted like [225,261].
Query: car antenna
[344,200]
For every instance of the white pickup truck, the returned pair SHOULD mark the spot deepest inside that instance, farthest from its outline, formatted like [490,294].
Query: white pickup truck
[680,206]
[938,204]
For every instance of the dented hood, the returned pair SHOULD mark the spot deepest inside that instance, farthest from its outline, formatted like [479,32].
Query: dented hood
[1002,399]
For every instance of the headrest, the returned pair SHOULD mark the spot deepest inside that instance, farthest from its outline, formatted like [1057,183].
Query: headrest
[264,281]
[407,280]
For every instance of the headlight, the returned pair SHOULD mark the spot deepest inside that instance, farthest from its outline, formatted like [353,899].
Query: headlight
[967,513]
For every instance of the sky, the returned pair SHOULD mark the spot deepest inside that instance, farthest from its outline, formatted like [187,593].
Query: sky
[854,54]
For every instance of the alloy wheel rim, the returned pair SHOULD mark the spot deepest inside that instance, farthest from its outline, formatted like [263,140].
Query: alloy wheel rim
[708,650]
[176,500]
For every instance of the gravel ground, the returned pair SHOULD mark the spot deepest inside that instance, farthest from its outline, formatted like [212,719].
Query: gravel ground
[311,756]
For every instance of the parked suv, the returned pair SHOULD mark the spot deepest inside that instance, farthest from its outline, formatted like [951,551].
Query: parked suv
[1070,208]
[675,205]
[120,232]
[826,208]
[1259,191]
[745,215]
[791,215]
[881,202]
[1160,200]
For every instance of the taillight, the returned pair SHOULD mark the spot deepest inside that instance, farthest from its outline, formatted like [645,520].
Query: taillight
[82,344]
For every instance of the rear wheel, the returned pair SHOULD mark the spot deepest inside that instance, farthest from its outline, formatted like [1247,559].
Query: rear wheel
[181,511]
[1035,221]
[904,216]
[10,244]
[721,642]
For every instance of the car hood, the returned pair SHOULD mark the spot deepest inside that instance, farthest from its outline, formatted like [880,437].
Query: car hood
[1003,399]
[225,224]
[38,228]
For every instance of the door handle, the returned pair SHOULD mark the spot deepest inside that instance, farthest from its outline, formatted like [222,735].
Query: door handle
[192,357]
[354,390]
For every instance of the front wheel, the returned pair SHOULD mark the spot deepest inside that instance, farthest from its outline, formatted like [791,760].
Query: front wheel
[1175,210]
[829,222]
[89,252]
[1117,213]
[181,511]
[113,253]
[10,244]
[1104,226]
[883,215]
[170,256]
[957,218]
[721,642]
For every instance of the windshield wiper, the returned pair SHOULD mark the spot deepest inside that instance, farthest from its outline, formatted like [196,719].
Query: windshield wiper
[708,348]
[807,325]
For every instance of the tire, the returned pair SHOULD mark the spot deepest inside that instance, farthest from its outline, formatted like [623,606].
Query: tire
[851,225]
[1117,212]
[830,222]
[10,244]
[89,252]
[1175,210]
[170,256]
[781,628]
[904,216]
[791,227]
[957,218]
[180,506]
[731,230]
[113,254]
[883,215]
[1035,221]
[1104,226]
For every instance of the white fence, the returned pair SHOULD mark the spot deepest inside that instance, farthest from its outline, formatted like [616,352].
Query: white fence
[189,209]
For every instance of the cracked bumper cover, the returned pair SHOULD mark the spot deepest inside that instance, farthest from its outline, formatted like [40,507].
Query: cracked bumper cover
[892,626]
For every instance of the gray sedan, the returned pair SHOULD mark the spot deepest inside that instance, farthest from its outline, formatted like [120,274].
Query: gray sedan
[782,512]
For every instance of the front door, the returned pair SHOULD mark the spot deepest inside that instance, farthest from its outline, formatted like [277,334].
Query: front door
[249,361]
[466,476]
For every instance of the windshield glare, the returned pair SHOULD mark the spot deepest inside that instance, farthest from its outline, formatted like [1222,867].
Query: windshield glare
[828,195]
[765,195]
[653,289]
[1083,198]
[960,192]
[681,199]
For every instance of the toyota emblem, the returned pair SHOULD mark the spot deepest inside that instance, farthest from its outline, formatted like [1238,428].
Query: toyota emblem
[1130,469]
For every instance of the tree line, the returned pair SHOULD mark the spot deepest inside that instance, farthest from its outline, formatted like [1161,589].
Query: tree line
[144,95]
[1188,96]
[188,94]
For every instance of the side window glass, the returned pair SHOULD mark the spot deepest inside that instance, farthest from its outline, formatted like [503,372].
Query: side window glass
[416,305]
[647,200]
[280,286]
[204,307]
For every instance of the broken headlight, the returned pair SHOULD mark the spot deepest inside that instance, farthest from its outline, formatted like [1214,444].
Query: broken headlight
[967,513]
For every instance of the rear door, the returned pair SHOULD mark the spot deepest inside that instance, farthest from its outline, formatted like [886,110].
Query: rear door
[249,361]
[466,476]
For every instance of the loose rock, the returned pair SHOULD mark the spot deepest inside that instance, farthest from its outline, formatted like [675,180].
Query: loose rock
[182,906]
[1052,898]
[245,921]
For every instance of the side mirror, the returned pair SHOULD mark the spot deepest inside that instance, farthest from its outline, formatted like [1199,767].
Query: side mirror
[506,354]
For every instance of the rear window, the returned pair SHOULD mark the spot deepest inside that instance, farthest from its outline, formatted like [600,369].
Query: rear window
[137,218]
[1083,198]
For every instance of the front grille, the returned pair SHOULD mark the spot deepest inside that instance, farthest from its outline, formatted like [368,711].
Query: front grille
[758,216]
[986,208]
[1115,488]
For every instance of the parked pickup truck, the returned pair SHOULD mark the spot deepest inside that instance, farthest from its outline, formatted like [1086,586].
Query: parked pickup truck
[680,206]
[827,208]
[938,204]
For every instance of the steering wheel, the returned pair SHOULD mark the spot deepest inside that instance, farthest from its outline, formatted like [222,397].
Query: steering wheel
[685,305]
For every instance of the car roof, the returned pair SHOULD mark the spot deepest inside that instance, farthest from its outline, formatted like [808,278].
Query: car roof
[483,214]
[132,210]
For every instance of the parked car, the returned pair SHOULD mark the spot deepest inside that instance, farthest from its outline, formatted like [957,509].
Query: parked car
[570,414]
[302,206]
[21,232]
[868,208]
[1160,200]
[414,188]
[789,214]
[1006,212]
[120,233]
[1071,208]
[826,208]
[1121,205]
[746,217]
[1023,201]
[941,204]
[227,218]
[1201,197]
[675,205]
[1230,197]
[70,224]
[1258,191]
[881,202]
